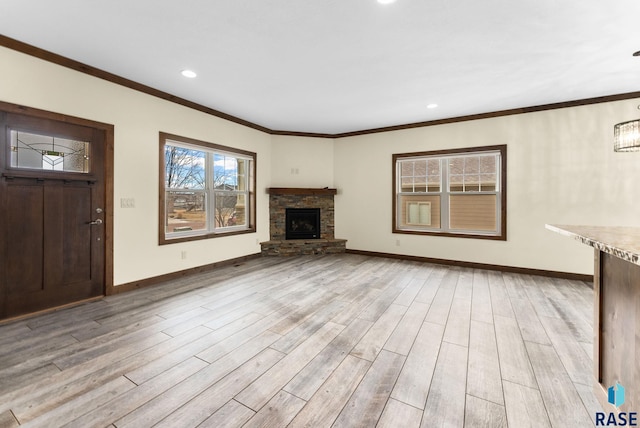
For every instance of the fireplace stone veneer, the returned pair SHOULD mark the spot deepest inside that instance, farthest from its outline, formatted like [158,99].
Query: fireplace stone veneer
[282,198]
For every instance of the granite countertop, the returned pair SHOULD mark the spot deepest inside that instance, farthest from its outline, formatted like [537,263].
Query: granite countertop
[622,242]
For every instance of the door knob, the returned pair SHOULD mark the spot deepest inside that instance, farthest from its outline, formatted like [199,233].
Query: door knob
[98,221]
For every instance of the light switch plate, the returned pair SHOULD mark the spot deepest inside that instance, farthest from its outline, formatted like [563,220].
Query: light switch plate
[127,203]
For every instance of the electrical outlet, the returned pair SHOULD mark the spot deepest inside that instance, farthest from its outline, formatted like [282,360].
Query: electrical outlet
[397,242]
[183,255]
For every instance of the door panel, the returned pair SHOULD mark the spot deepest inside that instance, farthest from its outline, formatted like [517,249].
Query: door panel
[76,234]
[24,253]
[53,255]
[52,266]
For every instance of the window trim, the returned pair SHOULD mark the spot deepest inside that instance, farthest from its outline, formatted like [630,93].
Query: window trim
[502,149]
[194,236]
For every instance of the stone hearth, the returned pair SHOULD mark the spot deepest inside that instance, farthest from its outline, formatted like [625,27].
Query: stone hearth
[281,198]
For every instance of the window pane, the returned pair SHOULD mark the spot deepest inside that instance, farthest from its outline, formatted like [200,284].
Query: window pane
[186,211]
[472,165]
[243,176]
[433,186]
[488,164]
[488,182]
[421,211]
[406,184]
[420,168]
[230,209]
[434,167]
[228,172]
[45,152]
[406,168]
[473,173]
[406,176]
[184,168]
[456,183]
[434,177]
[419,176]
[472,212]
[241,215]
[471,182]
[456,166]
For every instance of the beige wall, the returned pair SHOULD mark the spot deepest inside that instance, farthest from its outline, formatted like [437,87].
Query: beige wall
[138,118]
[301,162]
[561,169]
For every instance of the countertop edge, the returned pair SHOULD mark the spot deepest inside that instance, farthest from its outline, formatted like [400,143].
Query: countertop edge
[609,248]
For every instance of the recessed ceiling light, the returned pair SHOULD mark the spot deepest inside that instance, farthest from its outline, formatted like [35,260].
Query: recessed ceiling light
[386,1]
[432,105]
[188,73]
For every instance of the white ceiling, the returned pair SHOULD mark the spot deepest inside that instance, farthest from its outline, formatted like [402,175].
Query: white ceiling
[336,66]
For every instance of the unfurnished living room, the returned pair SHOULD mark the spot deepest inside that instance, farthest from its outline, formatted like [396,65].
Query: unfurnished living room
[366,213]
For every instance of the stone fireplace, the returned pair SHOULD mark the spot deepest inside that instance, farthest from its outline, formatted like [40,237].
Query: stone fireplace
[309,216]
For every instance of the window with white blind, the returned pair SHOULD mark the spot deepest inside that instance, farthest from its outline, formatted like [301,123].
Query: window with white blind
[460,192]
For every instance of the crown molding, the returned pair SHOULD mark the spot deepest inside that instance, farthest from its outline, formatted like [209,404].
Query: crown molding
[500,113]
[36,52]
[45,55]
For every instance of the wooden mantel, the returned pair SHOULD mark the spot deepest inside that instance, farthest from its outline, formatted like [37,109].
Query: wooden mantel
[300,191]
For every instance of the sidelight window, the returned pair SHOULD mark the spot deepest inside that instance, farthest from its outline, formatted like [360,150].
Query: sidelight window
[207,190]
[459,192]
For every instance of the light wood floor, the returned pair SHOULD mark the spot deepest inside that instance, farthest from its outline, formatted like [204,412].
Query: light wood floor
[343,341]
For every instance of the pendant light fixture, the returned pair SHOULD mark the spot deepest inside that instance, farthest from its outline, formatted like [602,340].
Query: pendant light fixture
[626,136]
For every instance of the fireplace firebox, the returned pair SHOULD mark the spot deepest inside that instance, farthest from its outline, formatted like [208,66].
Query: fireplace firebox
[302,223]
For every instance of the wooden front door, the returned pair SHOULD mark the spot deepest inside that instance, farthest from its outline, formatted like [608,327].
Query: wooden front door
[52,203]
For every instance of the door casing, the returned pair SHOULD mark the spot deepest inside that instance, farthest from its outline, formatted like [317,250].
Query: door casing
[106,133]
